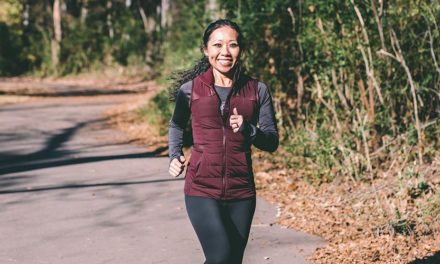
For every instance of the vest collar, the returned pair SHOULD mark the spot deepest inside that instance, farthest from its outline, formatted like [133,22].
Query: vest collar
[208,78]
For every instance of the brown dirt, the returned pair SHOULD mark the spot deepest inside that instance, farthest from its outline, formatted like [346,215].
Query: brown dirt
[357,218]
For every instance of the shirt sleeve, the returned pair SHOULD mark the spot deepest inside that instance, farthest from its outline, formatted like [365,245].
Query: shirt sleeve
[265,135]
[179,121]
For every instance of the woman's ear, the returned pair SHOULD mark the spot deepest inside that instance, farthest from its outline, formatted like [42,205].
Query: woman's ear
[205,51]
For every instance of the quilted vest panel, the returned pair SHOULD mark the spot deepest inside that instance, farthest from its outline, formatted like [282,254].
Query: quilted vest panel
[220,165]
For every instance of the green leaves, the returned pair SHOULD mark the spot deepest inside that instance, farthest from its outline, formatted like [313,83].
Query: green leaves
[338,41]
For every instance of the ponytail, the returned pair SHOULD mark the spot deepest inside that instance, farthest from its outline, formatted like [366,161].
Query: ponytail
[181,77]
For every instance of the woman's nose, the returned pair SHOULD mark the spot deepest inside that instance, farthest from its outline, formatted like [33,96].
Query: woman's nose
[225,50]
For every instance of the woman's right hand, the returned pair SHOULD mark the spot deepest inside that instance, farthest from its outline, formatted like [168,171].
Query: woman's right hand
[177,166]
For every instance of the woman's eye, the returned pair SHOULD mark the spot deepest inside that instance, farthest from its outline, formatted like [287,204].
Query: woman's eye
[233,45]
[218,45]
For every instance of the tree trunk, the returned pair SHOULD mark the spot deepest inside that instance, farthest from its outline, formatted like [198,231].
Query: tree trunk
[211,8]
[144,18]
[25,14]
[111,32]
[56,40]
[149,25]
[84,11]
[164,7]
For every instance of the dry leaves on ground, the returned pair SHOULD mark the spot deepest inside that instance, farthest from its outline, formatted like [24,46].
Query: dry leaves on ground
[357,219]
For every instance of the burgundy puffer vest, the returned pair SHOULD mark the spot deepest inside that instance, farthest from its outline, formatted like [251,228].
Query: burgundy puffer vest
[220,165]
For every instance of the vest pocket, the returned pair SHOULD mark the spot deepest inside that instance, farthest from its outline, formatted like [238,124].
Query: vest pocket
[208,166]
[240,165]
[239,183]
[241,174]
[193,163]
[208,175]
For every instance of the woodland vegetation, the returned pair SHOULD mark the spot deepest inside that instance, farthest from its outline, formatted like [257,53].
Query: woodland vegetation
[356,84]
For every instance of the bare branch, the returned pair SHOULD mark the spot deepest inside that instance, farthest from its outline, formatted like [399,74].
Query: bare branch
[399,57]
[299,88]
[340,92]
[292,16]
[370,72]
[386,53]
[329,106]
[369,62]
[432,49]
[379,22]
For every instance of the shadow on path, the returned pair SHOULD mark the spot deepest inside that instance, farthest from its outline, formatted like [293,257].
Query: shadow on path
[50,147]
[434,259]
[50,155]
[50,164]
[75,186]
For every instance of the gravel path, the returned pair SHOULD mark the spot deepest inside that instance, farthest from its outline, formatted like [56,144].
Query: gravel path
[73,191]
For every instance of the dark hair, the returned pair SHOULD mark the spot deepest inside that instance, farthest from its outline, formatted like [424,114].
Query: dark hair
[202,65]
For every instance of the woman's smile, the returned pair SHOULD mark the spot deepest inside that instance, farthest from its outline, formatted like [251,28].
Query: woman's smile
[225,62]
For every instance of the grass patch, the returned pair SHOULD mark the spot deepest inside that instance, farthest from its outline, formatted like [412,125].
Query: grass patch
[157,112]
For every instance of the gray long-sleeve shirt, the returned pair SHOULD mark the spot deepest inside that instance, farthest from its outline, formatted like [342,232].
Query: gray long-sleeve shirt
[264,136]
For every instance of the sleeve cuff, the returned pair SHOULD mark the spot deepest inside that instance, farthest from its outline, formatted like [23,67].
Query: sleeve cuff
[248,130]
[175,156]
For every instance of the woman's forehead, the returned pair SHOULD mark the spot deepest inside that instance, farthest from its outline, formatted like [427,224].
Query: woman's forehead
[224,34]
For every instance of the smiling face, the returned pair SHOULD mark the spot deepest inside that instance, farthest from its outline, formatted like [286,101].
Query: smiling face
[223,50]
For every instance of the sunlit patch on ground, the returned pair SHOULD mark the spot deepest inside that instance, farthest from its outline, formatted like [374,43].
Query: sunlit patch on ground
[14,99]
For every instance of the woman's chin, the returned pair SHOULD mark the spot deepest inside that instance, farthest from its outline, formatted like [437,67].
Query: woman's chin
[224,69]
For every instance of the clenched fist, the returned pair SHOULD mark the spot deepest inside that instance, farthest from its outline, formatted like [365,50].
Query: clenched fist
[177,166]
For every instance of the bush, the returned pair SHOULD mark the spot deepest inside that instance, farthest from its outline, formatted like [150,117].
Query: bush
[157,112]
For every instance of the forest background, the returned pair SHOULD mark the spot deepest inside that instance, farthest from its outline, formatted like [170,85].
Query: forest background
[356,87]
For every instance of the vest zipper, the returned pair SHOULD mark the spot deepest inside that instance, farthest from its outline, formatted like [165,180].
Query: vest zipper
[224,122]
[222,195]
[224,164]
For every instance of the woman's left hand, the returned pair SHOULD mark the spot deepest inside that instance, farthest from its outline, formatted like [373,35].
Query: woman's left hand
[235,120]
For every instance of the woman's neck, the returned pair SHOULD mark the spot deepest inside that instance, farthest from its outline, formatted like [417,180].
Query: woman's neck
[221,79]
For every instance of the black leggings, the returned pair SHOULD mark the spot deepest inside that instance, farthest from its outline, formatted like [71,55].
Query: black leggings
[222,227]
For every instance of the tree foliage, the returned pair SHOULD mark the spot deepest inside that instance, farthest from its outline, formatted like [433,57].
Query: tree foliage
[354,80]
[355,83]
[95,33]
